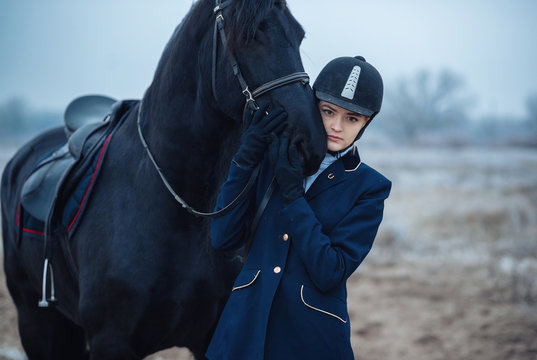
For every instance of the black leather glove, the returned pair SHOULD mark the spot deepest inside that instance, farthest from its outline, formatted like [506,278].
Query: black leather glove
[257,137]
[287,168]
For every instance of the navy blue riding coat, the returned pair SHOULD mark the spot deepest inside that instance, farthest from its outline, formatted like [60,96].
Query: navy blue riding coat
[290,299]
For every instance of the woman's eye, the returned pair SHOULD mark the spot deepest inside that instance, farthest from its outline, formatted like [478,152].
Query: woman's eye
[352,119]
[328,112]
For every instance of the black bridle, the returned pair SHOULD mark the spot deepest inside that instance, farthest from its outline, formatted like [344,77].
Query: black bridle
[250,95]
[250,104]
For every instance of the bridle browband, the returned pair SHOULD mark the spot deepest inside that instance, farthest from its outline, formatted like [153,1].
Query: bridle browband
[250,104]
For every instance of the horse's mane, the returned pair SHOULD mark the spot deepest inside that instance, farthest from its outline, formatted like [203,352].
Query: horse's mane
[241,22]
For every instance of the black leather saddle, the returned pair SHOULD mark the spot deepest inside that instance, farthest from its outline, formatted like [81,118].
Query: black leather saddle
[88,120]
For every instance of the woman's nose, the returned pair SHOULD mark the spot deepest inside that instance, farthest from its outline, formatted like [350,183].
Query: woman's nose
[336,124]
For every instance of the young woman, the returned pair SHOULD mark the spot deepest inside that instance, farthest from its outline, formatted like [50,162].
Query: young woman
[290,299]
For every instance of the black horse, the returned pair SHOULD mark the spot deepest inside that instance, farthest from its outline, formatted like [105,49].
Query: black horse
[146,276]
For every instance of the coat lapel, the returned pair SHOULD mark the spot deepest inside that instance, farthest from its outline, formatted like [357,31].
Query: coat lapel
[334,174]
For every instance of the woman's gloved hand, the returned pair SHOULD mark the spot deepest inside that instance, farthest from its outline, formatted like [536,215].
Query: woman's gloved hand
[258,136]
[287,168]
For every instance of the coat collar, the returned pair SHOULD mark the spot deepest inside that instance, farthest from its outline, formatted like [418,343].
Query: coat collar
[335,173]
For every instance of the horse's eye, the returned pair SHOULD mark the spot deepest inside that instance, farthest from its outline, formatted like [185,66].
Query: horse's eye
[280,3]
[263,26]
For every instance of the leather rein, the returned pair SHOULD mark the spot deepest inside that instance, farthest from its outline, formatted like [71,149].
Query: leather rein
[250,104]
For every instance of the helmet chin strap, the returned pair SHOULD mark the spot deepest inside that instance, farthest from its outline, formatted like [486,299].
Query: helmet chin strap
[361,132]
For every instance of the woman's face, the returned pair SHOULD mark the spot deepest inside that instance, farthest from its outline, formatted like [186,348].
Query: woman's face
[341,125]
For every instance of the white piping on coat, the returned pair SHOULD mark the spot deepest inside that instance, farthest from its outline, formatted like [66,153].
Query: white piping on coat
[357,166]
[314,308]
[250,283]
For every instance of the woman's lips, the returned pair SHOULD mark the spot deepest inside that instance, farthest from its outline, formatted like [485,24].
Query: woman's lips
[334,138]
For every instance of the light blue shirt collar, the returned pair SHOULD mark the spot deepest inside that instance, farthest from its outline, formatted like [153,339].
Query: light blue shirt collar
[327,161]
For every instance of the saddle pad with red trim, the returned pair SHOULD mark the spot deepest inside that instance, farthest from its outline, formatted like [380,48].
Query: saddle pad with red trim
[75,190]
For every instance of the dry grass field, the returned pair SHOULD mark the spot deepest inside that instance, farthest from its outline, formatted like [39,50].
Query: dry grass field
[453,272]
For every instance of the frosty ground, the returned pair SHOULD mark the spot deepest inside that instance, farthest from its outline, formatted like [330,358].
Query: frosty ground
[453,271]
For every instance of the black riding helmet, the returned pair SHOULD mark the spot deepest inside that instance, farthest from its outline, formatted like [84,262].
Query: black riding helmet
[352,83]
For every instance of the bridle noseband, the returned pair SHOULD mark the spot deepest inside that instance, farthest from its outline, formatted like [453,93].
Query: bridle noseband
[250,104]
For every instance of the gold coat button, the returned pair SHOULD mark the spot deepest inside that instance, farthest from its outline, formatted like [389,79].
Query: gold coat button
[277,270]
[285,237]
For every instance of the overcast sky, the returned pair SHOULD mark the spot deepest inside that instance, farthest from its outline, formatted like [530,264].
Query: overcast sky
[55,50]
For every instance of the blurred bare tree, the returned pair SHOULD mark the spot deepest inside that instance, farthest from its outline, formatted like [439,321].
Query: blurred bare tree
[426,103]
[13,118]
[19,122]
[531,106]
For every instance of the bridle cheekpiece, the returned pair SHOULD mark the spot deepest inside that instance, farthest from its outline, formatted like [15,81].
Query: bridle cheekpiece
[250,96]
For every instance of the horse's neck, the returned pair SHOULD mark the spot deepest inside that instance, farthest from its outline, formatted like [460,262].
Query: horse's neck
[191,143]
[191,140]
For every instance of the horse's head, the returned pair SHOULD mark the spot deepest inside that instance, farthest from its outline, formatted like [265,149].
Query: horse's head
[264,39]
